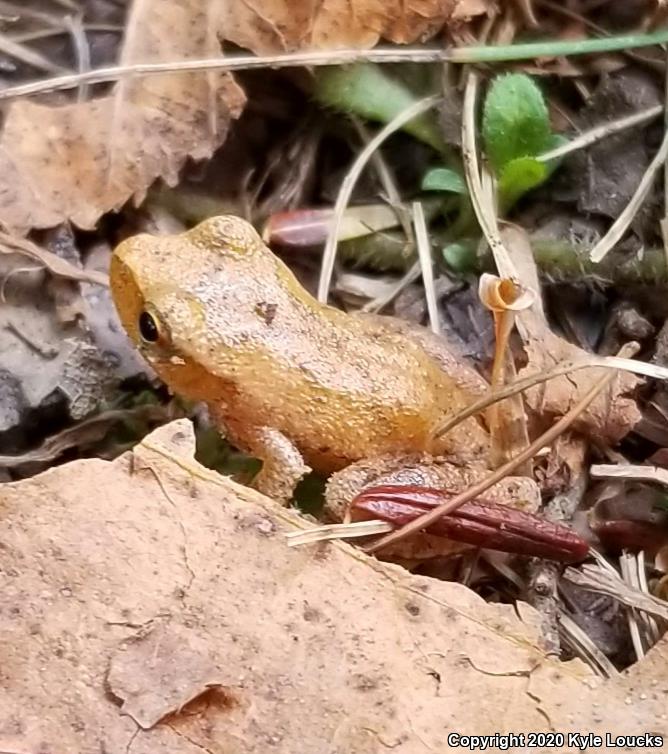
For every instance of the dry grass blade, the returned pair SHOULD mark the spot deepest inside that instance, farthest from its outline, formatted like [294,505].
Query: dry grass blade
[545,439]
[584,647]
[632,472]
[459,55]
[651,626]
[643,624]
[622,223]
[593,578]
[14,49]
[409,277]
[598,133]
[607,362]
[229,63]
[388,182]
[81,47]
[632,617]
[10,244]
[31,36]
[480,198]
[426,266]
[345,192]
[14,11]
[337,531]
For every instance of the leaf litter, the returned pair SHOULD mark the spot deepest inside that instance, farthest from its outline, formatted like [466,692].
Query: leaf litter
[196,665]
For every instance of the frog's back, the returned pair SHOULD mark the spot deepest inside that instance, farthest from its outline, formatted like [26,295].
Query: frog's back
[343,388]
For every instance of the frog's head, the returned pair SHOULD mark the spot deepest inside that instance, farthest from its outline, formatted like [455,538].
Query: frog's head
[185,299]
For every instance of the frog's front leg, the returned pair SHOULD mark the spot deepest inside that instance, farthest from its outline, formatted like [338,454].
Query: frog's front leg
[282,463]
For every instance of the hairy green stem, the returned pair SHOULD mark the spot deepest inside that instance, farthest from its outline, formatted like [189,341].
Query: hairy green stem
[557,259]
[528,50]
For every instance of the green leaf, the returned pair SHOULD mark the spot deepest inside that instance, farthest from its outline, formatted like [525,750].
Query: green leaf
[519,176]
[515,120]
[444,179]
[460,256]
[367,90]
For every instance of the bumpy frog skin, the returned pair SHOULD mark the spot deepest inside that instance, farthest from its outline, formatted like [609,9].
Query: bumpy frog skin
[292,381]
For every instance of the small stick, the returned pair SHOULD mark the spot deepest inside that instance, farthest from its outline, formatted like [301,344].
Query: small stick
[496,476]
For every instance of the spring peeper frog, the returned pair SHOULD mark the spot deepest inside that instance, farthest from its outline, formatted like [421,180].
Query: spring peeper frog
[293,382]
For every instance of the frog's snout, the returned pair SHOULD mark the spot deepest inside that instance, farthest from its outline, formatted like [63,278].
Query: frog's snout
[125,290]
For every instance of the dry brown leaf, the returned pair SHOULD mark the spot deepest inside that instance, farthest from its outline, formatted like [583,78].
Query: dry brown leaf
[83,435]
[317,648]
[58,266]
[78,161]
[274,26]
[611,416]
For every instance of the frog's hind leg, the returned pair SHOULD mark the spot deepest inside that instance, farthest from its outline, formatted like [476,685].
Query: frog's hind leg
[423,470]
[343,486]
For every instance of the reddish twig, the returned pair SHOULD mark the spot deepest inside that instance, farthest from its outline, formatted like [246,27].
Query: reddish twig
[480,522]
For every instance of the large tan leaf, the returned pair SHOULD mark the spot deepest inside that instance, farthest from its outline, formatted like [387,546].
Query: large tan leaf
[266,26]
[133,588]
[78,161]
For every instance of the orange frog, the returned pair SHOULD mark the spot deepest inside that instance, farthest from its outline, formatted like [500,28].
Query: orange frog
[294,382]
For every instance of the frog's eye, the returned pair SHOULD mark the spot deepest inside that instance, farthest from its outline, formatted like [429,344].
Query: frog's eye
[148,327]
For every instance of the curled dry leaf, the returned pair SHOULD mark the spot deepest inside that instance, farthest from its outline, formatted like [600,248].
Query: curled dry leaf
[611,416]
[316,648]
[77,161]
[507,420]
[58,266]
